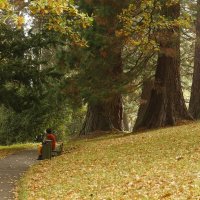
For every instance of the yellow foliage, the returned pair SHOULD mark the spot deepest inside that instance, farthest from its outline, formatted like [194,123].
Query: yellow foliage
[141,23]
[20,21]
[4,4]
[61,16]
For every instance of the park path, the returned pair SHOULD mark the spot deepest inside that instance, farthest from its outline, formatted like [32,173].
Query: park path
[11,169]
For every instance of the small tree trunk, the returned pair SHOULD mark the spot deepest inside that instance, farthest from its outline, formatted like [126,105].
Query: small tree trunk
[144,101]
[194,105]
[167,105]
[125,122]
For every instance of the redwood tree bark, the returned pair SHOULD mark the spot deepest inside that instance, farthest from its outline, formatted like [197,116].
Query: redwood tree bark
[194,105]
[167,106]
[105,113]
[103,116]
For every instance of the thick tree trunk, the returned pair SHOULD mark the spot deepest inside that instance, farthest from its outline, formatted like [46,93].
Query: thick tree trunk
[103,116]
[167,105]
[194,105]
[106,113]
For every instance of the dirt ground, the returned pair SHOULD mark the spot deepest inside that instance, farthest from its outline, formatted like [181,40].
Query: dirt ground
[12,168]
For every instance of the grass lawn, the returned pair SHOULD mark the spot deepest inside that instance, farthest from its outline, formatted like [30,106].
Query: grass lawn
[160,164]
[6,150]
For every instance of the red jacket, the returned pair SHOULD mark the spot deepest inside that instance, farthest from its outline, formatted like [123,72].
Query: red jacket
[53,139]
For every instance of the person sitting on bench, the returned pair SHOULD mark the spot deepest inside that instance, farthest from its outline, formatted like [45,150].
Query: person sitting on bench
[49,136]
[52,137]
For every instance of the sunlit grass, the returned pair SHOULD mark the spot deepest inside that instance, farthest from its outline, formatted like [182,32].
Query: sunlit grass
[6,150]
[160,164]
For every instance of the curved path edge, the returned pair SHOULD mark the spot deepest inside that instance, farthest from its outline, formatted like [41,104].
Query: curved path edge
[11,169]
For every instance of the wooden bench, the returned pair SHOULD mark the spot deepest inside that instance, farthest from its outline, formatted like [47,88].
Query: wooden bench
[58,150]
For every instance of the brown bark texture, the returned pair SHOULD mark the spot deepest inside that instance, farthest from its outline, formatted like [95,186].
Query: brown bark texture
[167,105]
[106,113]
[103,116]
[194,105]
[144,101]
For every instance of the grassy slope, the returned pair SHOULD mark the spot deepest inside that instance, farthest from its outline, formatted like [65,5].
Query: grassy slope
[6,150]
[160,164]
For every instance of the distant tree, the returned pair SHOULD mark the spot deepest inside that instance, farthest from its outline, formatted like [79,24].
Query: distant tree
[30,89]
[144,101]
[194,105]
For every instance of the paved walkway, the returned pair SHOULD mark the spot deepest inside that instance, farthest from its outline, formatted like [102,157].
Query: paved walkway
[11,168]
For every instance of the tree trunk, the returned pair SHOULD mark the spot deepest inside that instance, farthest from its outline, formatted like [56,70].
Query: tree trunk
[105,113]
[125,122]
[194,105]
[167,105]
[144,101]
[103,116]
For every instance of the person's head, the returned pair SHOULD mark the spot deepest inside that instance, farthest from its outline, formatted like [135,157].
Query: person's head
[49,130]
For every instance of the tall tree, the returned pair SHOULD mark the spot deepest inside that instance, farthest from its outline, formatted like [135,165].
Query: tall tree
[167,105]
[194,105]
[29,85]
[105,68]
